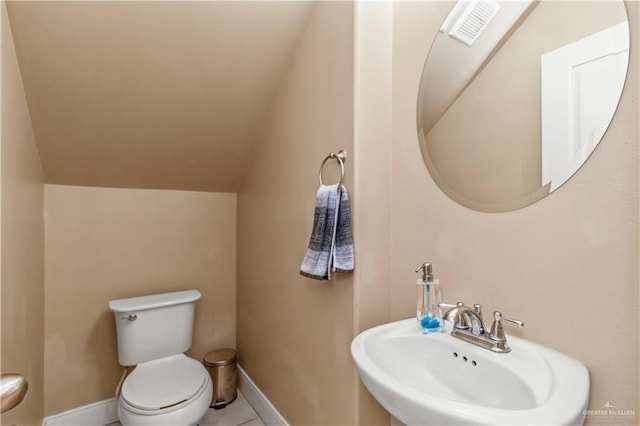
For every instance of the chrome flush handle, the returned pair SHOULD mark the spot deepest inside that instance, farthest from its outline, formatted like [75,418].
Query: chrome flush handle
[130,317]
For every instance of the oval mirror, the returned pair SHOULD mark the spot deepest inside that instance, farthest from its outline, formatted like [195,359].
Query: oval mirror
[515,95]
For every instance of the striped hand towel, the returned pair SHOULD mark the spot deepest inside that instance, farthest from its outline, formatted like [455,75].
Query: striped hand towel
[331,242]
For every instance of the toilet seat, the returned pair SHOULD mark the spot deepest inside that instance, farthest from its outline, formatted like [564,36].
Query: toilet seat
[163,384]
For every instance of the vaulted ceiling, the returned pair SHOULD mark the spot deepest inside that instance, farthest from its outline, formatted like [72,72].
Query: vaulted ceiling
[166,95]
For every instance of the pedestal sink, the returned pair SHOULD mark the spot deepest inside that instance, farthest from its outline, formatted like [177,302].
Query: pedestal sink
[437,379]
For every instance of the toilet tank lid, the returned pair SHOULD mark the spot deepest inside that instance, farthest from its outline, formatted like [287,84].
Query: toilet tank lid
[154,301]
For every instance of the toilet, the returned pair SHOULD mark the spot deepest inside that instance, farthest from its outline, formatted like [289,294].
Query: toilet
[166,387]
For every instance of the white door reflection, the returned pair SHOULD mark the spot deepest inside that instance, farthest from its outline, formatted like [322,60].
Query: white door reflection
[581,86]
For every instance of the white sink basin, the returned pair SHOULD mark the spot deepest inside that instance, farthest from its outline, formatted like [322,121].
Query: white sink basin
[437,379]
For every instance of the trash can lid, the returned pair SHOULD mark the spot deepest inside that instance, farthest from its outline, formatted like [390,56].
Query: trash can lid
[220,357]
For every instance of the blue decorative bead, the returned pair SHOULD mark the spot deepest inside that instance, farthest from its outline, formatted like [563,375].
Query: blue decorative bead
[424,322]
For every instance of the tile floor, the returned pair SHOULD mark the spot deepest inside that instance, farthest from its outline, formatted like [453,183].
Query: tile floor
[238,413]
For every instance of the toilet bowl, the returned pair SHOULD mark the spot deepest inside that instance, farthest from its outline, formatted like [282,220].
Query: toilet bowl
[166,387]
[172,391]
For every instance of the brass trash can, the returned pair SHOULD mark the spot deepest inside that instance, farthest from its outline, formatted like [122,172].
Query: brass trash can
[223,368]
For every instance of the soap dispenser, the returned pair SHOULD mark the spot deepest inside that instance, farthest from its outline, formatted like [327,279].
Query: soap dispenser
[428,312]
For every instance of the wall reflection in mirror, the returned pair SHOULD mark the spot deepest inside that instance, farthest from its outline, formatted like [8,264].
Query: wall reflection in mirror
[515,96]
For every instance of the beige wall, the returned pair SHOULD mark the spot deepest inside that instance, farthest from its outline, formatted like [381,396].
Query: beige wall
[505,169]
[371,166]
[567,266]
[170,83]
[22,241]
[293,332]
[104,244]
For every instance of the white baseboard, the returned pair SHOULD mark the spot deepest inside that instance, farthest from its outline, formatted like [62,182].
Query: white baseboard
[265,409]
[97,414]
[105,412]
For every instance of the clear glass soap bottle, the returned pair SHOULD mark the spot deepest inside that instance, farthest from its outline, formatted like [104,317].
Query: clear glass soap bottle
[428,313]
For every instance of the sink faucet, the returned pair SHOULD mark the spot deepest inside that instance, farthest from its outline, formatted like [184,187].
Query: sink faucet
[468,326]
[464,317]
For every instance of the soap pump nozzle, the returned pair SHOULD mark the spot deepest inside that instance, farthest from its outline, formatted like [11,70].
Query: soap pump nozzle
[427,272]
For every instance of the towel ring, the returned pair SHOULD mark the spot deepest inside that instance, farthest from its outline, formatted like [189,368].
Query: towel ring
[341,157]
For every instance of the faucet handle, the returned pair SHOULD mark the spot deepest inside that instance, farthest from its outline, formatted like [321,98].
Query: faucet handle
[497,331]
[446,305]
[457,314]
[450,314]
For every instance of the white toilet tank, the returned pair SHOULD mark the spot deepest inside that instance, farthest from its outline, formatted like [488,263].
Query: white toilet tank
[155,326]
